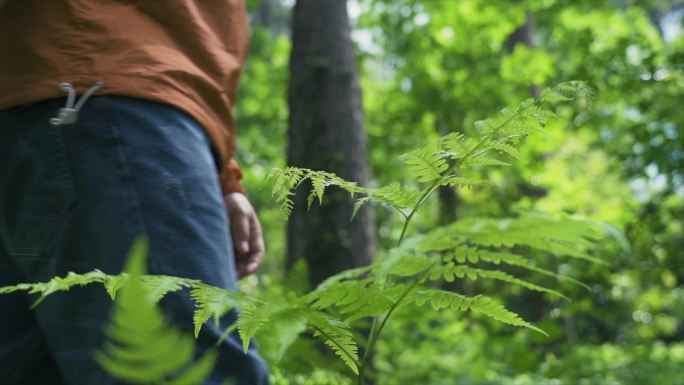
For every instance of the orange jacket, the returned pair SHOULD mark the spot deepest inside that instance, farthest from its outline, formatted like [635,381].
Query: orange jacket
[180,52]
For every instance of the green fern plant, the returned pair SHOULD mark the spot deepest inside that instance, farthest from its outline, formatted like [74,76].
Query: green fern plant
[142,347]
[471,249]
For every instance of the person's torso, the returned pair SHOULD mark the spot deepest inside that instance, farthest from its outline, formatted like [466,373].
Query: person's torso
[180,52]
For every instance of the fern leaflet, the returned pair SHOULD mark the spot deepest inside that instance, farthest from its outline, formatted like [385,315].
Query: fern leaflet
[143,348]
[441,299]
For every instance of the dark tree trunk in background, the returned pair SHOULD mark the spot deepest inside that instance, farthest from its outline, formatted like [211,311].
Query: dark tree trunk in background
[524,35]
[326,133]
[272,14]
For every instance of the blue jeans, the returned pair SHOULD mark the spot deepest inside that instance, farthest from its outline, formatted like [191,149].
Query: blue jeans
[73,197]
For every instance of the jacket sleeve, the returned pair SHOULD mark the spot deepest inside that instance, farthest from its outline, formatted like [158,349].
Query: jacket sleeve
[231,174]
[230,178]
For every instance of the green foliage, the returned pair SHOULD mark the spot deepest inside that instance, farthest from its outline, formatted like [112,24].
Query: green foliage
[406,275]
[58,284]
[440,299]
[438,163]
[336,334]
[142,348]
[436,67]
[430,67]
[426,163]
[445,64]
[286,180]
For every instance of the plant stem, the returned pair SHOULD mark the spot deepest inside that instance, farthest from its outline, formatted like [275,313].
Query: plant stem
[334,341]
[376,329]
[366,353]
[372,340]
[428,192]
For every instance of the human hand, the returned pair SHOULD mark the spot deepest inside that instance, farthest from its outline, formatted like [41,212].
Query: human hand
[245,228]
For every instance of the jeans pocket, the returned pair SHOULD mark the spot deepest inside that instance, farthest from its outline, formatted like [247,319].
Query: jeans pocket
[38,186]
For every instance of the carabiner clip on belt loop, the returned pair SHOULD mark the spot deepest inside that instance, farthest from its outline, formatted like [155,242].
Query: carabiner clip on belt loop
[69,113]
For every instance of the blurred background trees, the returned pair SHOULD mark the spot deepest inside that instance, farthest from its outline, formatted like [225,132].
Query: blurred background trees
[427,67]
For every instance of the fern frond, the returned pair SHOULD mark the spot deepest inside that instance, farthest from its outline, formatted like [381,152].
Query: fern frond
[252,317]
[337,335]
[344,275]
[161,285]
[456,145]
[441,299]
[473,255]
[356,298]
[376,300]
[482,161]
[283,329]
[285,181]
[426,164]
[393,195]
[450,271]
[113,283]
[143,348]
[470,183]
[440,239]
[336,293]
[566,91]
[567,237]
[317,189]
[288,179]
[198,371]
[210,302]
[505,148]
[56,284]
[402,263]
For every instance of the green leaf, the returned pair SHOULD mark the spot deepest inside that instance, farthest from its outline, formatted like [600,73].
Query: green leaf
[197,373]
[449,271]
[210,302]
[441,299]
[456,145]
[143,347]
[425,164]
[455,181]
[337,335]
[252,317]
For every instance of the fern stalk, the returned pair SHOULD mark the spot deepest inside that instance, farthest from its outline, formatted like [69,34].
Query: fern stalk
[336,343]
[451,169]
[376,329]
[373,338]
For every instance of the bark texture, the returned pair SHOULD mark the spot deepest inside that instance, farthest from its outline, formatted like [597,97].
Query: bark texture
[326,133]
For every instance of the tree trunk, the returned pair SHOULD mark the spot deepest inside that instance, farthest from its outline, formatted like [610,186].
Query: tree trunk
[524,35]
[274,15]
[326,133]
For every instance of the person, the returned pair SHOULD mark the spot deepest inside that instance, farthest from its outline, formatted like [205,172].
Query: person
[115,122]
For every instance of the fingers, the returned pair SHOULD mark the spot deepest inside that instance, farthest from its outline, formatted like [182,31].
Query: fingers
[256,246]
[248,242]
[251,262]
[240,228]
